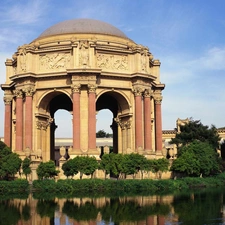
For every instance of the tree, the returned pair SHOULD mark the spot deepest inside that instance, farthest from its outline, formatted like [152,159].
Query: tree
[159,166]
[10,165]
[47,170]
[132,163]
[195,130]
[106,164]
[116,165]
[100,134]
[86,165]
[70,168]
[9,162]
[26,167]
[197,158]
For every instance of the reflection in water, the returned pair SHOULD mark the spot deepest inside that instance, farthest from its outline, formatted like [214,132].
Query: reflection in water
[205,207]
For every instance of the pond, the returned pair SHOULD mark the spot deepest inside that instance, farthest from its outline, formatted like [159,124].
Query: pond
[195,208]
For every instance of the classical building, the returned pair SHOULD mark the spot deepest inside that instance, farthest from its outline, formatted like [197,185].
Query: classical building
[83,66]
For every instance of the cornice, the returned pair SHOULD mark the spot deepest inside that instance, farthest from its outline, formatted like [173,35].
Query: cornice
[169,131]
[143,75]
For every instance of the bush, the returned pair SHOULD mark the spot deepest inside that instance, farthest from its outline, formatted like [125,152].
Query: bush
[15,186]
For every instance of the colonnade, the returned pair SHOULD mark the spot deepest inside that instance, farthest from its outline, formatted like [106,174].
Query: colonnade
[144,119]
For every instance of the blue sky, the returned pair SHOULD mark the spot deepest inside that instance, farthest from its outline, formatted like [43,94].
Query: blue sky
[187,36]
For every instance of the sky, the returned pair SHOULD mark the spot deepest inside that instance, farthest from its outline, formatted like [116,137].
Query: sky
[188,37]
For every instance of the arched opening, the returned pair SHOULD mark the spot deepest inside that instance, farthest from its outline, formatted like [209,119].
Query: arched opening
[63,132]
[117,105]
[104,119]
[58,106]
[104,134]
[59,102]
[63,121]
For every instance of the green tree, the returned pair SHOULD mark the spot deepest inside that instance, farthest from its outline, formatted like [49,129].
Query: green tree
[10,165]
[70,168]
[47,170]
[9,162]
[159,165]
[116,164]
[100,134]
[86,165]
[132,163]
[195,130]
[26,166]
[106,164]
[197,158]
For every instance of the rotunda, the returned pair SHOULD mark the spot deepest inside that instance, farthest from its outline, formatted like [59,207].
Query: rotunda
[82,66]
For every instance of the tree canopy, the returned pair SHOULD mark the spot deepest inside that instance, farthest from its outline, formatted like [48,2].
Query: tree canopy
[9,162]
[86,165]
[102,133]
[197,158]
[47,170]
[26,166]
[195,130]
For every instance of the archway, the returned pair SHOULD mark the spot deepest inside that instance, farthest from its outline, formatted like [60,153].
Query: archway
[118,105]
[50,104]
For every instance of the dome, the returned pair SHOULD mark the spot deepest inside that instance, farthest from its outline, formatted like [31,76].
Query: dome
[80,26]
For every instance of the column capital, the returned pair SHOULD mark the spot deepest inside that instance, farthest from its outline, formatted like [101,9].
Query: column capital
[137,91]
[29,91]
[158,99]
[7,100]
[18,93]
[75,88]
[147,93]
[92,88]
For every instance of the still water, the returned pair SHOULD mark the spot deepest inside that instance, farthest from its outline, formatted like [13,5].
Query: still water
[194,208]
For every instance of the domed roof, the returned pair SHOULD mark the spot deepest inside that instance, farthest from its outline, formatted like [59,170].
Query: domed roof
[80,26]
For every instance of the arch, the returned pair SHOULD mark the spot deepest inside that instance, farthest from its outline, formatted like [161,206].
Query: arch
[48,104]
[123,106]
[48,96]
[120,108]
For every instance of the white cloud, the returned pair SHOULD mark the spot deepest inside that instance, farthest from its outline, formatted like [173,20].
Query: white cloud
[213,59]
[23,13]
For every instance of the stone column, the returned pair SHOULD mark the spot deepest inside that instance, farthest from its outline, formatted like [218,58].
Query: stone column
[91,117]
[147,121]
[28,117]
[124,137]
[138,118]
[19,119]
[128,126]
[76,116]
[8,119]
[158,123]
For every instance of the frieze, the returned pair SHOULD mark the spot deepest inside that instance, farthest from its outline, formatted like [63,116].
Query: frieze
[55,61]
[113,62]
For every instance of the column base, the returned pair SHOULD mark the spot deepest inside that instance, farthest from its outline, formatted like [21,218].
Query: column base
[159,154]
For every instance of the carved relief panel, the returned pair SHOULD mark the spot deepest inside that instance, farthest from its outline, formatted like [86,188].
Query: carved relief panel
[112,62]
[54,61]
